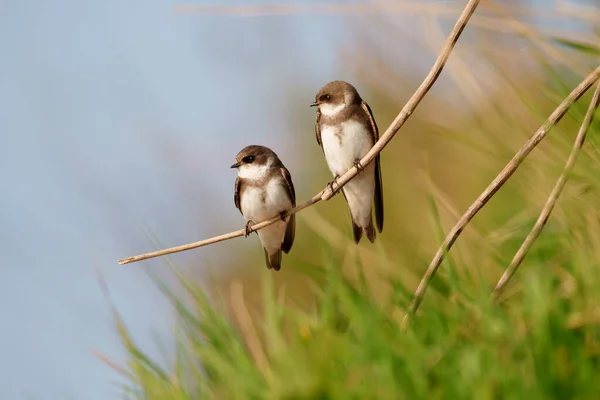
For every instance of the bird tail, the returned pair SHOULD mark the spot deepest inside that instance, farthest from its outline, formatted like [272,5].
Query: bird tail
[357,231]
[369,230]
[273,260]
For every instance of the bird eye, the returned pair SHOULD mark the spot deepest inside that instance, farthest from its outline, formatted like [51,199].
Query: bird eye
[248,159]
[325,97]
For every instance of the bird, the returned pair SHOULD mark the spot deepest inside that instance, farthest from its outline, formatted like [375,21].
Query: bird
[346,130]
[264,190]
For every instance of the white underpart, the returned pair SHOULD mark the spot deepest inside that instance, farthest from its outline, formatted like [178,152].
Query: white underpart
[330,109]
[253,172]
[276,201]
[355,143]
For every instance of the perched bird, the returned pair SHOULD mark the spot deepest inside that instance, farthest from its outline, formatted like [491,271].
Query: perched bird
[346,131]
[264,190]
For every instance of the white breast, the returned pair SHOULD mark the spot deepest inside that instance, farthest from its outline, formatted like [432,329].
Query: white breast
[276,200]
[351,142]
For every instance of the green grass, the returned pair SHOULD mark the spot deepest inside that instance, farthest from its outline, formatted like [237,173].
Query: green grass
[340,336]
[542,341]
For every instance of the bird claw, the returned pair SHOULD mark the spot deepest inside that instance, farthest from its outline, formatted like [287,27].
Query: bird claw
[283,215]
[248,229]
[330,184]
[358,165]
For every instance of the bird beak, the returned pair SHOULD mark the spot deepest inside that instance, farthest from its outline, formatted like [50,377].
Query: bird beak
[235,165]
[314,104]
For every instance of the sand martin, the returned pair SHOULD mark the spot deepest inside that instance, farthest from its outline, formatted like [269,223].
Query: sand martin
[346,131]
[264,190]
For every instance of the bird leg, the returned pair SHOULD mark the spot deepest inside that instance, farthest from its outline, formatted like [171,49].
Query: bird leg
[283,215]
[358,165]
[248,229]
[330,184]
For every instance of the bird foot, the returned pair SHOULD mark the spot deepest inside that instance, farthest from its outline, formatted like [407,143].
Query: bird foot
[358,165]
[283,215]
[248,229]
[330,184]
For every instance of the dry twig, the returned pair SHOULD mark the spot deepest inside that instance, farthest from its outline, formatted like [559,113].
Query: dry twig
[556,191]
[489,192]
[327,193]
[226,236]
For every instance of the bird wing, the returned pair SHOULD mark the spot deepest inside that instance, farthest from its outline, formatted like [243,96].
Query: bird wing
[378,180]
[236,194]
[318,128]
[290,229]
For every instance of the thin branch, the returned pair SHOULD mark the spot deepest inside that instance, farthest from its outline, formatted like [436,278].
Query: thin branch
[220,238]
[489,192]
[327,193]
[414,100]
[551,202]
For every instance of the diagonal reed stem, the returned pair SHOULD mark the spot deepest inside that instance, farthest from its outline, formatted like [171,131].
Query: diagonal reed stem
[495,185]
[387,136]
[551,201]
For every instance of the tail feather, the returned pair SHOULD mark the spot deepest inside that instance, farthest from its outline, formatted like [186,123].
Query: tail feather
[357,231]
[370,231]
[273,260]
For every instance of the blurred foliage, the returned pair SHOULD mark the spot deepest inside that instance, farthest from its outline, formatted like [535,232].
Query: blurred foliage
[328,325]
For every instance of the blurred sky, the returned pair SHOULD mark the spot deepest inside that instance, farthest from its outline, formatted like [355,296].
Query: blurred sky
[106,110]
[114,115]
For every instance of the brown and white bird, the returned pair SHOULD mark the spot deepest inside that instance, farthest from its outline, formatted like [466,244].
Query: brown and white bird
[264,190]
[346,131]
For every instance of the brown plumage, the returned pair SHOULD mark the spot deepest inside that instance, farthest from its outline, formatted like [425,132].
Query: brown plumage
[264,190]
[345,107]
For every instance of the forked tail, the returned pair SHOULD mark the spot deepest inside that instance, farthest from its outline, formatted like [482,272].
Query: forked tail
[273,260]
